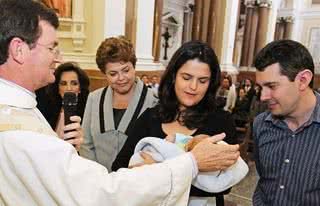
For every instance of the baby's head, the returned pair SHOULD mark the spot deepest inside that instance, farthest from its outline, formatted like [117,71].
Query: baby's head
[179,139]
[185,142]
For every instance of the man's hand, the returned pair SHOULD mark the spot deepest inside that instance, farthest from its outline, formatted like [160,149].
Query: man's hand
[213,157]
[73,132]
[194,141]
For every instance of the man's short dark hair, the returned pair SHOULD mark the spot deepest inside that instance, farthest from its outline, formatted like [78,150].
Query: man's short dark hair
[292,57]
[20,18]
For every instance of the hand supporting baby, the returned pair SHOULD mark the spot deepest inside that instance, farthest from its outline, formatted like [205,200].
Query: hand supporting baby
[147,160]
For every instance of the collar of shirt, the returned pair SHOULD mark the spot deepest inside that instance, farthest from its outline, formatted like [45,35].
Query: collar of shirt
[315,117]
[16,96]
[316,112]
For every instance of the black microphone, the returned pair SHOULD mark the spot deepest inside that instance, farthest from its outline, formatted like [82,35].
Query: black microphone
[69,104]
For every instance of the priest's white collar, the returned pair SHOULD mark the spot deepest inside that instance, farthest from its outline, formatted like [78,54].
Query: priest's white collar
[14,95]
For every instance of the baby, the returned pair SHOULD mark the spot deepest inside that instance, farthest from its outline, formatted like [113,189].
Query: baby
[185,142]
[174,145]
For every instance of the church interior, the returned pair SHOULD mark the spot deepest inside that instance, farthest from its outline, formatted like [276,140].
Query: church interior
[236,29]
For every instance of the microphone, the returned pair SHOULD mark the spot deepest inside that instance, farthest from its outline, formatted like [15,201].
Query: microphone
[69,104]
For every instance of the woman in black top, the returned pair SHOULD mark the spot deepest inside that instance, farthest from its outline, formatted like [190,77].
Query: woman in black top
[186,104]
[69,77]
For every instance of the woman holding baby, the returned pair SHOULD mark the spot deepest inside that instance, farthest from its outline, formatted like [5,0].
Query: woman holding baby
[187,106]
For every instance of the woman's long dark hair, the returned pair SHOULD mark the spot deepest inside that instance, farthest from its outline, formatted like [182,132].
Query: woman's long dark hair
[168,106]
[52,106]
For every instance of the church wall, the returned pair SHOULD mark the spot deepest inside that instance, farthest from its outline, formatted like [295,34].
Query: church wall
[221,9]
[94,23]
[92,14]
[310,35]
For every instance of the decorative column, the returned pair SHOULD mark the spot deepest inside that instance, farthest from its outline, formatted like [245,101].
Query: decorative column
[283,28]
[273,14]
[74,28]
[230,25]
[216,25]
[197,20]
[115,14]
[205,20]
[131,21]
[157,30]
[288,28]
[247,34]
[144,35]
[187,22]
[276,31]
[282,24]
[280,28]
[253,35]
[212,24]
[239,36]
[297,27]
[264,9]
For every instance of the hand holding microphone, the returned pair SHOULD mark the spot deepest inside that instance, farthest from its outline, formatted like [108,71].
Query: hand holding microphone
[72,131]
[69,103]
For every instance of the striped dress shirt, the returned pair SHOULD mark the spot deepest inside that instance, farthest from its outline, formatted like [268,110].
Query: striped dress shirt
[288,162]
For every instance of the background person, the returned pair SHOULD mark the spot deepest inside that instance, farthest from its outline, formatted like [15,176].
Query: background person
[186,105]
[249,89]
[287,136]
[112,110]
[240,112]
[145,80]
[154,83]
[36,167]
[231,94]
[69,77]
[227,94]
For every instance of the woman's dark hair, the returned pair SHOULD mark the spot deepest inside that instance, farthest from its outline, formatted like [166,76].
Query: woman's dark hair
[168,106]
[55,100]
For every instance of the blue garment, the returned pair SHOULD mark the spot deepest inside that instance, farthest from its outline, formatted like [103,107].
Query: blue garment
[217,181]
[287,161]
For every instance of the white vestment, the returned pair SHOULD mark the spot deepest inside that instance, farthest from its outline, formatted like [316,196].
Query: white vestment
[37,168]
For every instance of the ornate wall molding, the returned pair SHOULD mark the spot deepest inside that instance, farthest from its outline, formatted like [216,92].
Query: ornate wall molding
[285,19]
[74,28]
[85,60]
[310,14]
[314,47]
[285,12]
[264,3]
[260,3]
